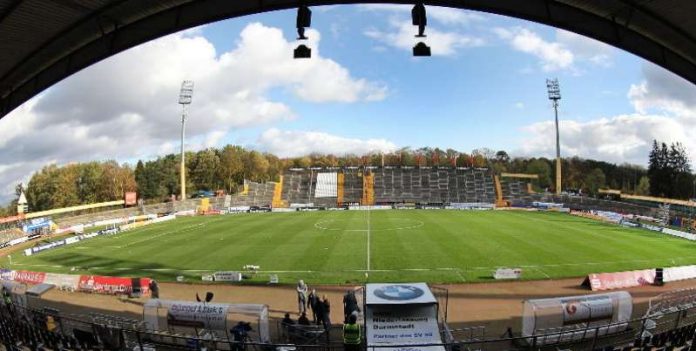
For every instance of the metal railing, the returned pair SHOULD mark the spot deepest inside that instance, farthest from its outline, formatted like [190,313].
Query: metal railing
[33,328]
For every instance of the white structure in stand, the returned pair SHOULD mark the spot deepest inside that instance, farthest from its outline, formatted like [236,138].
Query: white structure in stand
[574,318]
[327,185]
[401,314]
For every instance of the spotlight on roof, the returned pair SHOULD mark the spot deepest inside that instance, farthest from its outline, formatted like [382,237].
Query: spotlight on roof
[304,20]
[419,19]
[302,52]
[421,50]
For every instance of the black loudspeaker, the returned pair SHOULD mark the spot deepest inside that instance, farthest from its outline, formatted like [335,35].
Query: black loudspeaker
[659,280]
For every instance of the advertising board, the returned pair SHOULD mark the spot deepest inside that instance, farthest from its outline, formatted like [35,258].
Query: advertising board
[508,273]
[227,276]
[131,198]
[619,280]
[198,315]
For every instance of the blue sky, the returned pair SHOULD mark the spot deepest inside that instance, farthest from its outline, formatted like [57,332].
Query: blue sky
[469,97]
[361,92]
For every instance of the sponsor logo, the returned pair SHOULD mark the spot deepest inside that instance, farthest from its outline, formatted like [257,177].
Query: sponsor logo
[571,308]
[399,292]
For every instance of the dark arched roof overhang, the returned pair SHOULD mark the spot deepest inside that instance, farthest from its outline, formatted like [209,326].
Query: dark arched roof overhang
[45,41]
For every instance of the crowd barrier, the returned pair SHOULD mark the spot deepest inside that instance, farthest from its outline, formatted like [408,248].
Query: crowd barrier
[32,327]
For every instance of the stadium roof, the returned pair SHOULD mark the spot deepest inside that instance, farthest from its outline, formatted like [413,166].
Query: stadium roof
[44,41]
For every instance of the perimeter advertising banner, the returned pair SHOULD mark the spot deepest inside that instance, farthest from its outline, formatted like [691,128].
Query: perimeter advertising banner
[111,285]
[28,277]
[619,280]
[673,274]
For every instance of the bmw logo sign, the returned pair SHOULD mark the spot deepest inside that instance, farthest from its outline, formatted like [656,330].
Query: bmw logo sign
[399,292]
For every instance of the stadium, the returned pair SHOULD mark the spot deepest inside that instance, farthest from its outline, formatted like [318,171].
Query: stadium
[452,254]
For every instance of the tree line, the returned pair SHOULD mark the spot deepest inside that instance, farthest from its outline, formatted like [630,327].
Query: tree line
[226,168]
[670,172]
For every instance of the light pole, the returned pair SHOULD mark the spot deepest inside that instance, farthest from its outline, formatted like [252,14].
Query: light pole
[185,97]
[555,95]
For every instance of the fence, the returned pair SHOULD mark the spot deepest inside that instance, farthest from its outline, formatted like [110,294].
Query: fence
[50,329]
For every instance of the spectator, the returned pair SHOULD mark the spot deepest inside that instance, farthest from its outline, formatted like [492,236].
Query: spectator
[350,305]
[154,289]
[303,320]
[326,319]
[313,302]
[7,300]
[301,296]
[288,326]
[320,308]
[351,334]
[287,321]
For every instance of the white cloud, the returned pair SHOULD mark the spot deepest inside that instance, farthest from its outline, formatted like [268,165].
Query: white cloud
[665,110]
[285,143]
[125,107]
[586,49]
[519,105]
[552,56]
[443,15]
[619,139]
[565,53]
[441,43]
[663,91]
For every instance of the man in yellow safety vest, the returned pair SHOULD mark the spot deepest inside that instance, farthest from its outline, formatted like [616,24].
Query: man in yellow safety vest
[351,334]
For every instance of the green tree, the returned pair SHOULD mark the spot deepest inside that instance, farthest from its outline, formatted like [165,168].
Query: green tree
[594,180]
[643,186]
[231,168]
[542,168]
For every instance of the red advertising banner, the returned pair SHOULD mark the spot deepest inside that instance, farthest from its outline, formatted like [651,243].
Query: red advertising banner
[12,219]
[131,199]
[112,285]
[29,277]
[619,280]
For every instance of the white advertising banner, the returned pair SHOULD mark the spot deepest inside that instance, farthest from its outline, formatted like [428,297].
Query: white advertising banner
[227,276]
[508,273]
[673,274]
[680,234]
[209,316]
[63,281]
[399,325]
[164,219]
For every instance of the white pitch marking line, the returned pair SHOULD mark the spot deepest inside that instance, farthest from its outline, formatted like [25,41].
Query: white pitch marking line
[542,272]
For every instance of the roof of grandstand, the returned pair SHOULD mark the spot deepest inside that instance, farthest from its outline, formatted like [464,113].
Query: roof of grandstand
[42,42]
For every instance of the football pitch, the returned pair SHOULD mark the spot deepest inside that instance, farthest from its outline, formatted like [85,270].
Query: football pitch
[438,246]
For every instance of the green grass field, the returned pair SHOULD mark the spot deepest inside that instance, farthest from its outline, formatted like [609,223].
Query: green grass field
[337,247]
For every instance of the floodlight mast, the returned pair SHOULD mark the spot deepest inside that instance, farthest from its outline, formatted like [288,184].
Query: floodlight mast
[554,95]
[185,98]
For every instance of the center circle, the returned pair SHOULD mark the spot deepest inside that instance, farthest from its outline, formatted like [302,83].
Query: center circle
[345,225]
